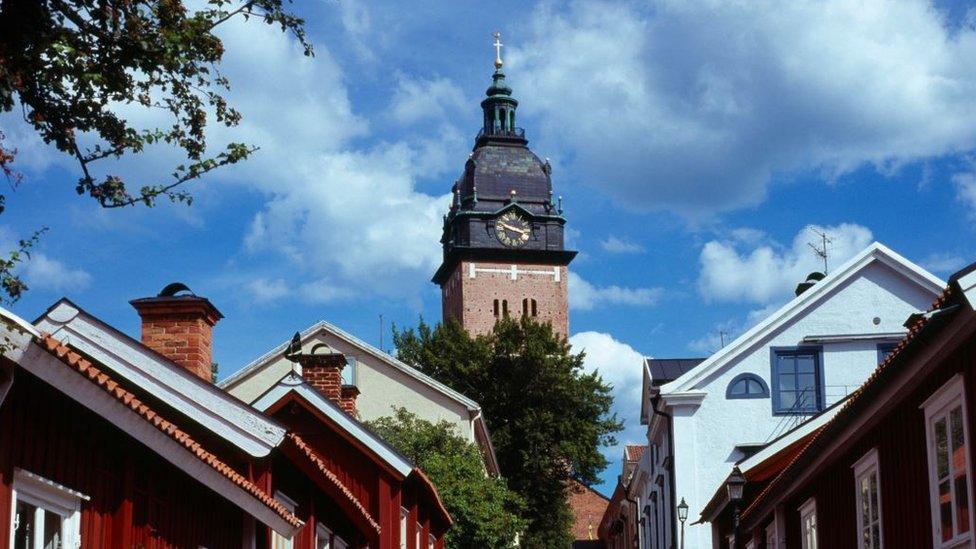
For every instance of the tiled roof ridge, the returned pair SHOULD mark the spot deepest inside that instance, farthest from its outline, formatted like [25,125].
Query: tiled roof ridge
[635,451]
[85,368]
[855,396]
[312,456]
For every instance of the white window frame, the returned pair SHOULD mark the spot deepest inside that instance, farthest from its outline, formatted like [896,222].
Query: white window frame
[431,541]
[340,543]
[47,495]
[730,539]
[277,540]
[751,544]
[321,532]
[809,509]
[418,533]
[771,532]
[948,396]
[866,466]
[404,517]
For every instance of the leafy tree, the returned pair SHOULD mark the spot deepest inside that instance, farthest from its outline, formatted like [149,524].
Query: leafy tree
[548,418]
[70,66]
[485,511]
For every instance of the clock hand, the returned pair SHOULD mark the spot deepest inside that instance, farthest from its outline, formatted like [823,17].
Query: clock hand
[511,228]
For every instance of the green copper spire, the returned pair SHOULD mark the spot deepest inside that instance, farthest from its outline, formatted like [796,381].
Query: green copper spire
[499,107]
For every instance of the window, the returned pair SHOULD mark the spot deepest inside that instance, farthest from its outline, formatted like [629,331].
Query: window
[947,441]
[747,386]
[867,490]
[404,515]
[349,372]
[535,307]
[505,308]
[525,306]
[323,537]
[431,541]
[808,524]
[340,543]
[277,540]
[417,535]
[751,544]
[46,515]
[771,536]
[496,308]
[885,349]
[797,380]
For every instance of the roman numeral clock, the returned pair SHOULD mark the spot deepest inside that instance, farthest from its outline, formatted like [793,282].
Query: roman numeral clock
[503,235]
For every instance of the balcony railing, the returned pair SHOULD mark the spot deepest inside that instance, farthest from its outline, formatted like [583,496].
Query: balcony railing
[501,132]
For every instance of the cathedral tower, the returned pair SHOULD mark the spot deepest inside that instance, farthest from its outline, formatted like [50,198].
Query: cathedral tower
[503,236]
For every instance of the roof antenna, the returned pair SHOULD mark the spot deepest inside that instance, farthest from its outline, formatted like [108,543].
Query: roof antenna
[721,336]
[821,251]
[381,331]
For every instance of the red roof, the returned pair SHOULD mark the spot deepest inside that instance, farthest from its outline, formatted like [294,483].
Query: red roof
[127,398]
[634,451]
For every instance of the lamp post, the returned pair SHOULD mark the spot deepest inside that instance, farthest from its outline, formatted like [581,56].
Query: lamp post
[682,517]
[735,484]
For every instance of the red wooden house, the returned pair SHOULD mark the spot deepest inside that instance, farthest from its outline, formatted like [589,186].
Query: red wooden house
[106,442]
[893,468]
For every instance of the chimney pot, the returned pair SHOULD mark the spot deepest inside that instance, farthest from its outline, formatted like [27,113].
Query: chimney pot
[179,325]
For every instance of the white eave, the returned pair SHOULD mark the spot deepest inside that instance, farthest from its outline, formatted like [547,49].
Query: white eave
[687,398]
[294,383]
[842,338]
[967,283]
[875,252]
[278,351]
[212,408]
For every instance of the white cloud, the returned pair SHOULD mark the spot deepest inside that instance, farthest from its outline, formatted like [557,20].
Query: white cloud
[943,263]
[620,365]
[965,184]
[263,290]
[699,102]
[419,99]
[616,245]
[44,273]
[768,273]
[585,296]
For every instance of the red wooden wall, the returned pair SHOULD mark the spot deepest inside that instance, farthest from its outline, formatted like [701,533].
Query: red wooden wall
[137,499]
[900,440]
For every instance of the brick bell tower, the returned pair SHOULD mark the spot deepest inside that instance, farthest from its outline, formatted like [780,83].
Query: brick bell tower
[503,236]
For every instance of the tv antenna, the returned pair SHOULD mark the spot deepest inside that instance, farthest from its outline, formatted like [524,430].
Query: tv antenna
[721,336]
[821,250]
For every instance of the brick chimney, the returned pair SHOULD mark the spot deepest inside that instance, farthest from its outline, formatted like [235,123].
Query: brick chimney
[179,325]
[322,369]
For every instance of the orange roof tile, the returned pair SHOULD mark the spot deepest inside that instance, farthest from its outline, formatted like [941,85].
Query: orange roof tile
[314,458]
[635,451]
[84,367]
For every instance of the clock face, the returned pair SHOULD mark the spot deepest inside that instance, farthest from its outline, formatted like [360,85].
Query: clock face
[512,229]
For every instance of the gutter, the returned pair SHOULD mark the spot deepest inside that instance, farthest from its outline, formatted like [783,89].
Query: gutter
[672,511]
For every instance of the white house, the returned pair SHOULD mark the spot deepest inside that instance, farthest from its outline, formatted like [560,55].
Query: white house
[384,383]
[705,417]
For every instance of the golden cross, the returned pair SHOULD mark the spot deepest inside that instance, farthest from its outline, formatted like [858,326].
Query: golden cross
[498,49]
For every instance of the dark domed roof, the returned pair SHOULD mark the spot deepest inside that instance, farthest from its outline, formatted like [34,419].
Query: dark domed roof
[496,170]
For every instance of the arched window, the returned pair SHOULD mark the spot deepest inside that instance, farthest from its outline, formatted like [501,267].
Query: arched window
[747,386]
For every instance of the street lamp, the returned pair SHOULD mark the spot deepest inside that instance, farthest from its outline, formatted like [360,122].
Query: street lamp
[682,516]
[735,484]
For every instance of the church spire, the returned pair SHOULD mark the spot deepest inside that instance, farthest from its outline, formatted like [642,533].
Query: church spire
[499,107]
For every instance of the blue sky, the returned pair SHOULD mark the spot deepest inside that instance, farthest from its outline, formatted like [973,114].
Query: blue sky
[693,142]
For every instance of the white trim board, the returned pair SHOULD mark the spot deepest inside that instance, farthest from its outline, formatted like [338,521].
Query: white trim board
[875,252]
[294,383]
[214,409]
